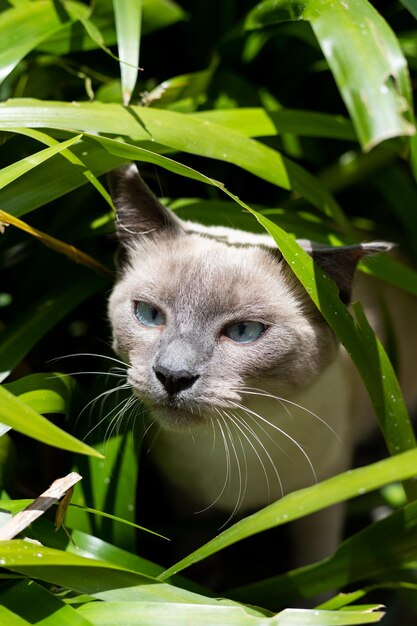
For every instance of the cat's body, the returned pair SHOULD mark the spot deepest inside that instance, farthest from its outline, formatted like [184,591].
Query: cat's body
[253,395]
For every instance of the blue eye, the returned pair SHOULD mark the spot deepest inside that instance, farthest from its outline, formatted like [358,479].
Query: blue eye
[149,315]
[245,332]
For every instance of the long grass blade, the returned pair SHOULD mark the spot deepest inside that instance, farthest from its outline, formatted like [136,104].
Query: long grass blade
[128,14]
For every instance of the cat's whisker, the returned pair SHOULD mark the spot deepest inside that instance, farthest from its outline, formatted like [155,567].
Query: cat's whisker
[104,418]
[238,501]
[280,430]
[116,421]
[214,434]
[97,425]
[251,432]
[104,395]
[264,430]
[258,392]
[148,428]
[242,492]
[226,450]
[94,354]
[253,391]
[263,447]
[97,373]
[155,437]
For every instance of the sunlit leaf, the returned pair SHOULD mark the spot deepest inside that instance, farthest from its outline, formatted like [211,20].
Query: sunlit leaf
[261,122]
[21,417]
[44,393]
[364,57]
[179,132]
[11,172]
[31,601]
[305,501]
[158,614]
[128,18]
[34,22]
[375,552]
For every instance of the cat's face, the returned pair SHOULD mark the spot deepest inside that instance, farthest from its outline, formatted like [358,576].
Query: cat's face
[200,321]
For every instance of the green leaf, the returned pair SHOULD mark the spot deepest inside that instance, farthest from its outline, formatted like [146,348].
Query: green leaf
[364,57]
[109,486]
[100,579]
[24,27]
[44,393]
[128,17]
[70,156]
[36,187]
[305,501]
[32,602]
[20,416]
[411,6]
[375,552]
[159,614]
[11,172]
[70,570]
[179,132]
[93,547]
[187,88]
[257,122]
[175,130]
[31,325]
[391,271]
[302,617]
[10,618]
[156,14]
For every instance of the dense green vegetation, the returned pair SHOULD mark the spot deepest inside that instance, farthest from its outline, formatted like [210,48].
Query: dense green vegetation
[291,116]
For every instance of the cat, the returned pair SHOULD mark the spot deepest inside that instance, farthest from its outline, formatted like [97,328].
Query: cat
[253,396]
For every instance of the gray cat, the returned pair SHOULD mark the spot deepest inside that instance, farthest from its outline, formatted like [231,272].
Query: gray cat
[253,395]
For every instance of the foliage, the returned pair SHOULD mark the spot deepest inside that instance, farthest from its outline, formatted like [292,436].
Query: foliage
[291,116]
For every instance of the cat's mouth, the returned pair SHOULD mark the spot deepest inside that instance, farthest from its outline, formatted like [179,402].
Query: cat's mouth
[173,417]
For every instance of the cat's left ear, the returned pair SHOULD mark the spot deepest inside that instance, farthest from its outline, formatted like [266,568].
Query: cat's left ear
[340,262]
[139,213]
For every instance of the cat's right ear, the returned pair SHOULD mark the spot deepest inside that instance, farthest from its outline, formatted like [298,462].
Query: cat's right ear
[139,213]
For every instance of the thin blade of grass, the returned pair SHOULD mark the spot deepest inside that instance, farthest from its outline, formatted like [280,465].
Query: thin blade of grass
[128,18]
[11,172]
[70,156]
[305,501]
[375,552]
[68,250]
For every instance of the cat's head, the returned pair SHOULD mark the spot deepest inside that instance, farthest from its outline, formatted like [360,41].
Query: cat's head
[203,315]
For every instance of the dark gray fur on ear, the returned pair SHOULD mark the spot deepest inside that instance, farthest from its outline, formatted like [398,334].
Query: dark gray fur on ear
[139,213]
[340,262]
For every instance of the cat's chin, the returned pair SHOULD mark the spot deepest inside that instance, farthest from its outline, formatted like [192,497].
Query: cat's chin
[176,418]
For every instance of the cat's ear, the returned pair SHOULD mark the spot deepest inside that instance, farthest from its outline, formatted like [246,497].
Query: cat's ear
[340,262]
[139,213]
